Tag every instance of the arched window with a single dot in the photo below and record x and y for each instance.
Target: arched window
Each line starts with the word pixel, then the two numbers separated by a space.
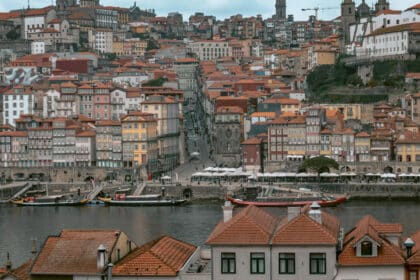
pixel 366 248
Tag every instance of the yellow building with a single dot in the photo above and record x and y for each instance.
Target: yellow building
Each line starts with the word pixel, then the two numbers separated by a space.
pixel 362 147
pixel 325 137
pixel 408 147
pixel 129 47
pixel 349 111
pixel 139 137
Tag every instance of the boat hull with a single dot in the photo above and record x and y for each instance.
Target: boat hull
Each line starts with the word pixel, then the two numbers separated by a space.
pixel 60 203
pixel 162 202
pixel 322 203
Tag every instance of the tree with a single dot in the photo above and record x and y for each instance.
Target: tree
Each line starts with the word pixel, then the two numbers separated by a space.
pixel 319 164
pixel 12 35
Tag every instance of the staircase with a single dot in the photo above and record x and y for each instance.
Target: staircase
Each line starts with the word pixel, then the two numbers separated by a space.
pixel 95 191
pixel 25 188
pixel 140 188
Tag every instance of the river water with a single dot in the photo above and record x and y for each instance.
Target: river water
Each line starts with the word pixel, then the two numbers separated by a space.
pixel 190 223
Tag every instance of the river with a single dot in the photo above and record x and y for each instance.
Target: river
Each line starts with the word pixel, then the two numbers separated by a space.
pixel 190 223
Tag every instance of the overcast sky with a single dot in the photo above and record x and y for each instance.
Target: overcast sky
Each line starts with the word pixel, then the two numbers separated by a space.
pixel 223 8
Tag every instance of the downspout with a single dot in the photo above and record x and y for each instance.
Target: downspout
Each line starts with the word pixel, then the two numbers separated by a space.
pixel 212 264
pixel 271 260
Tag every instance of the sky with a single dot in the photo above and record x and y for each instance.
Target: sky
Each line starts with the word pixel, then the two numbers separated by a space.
pixel 224 8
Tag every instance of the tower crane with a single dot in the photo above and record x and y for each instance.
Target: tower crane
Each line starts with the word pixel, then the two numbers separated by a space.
pixel 316 9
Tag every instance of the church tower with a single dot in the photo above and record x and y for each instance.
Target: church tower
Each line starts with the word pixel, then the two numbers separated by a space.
pixel 89 3
pixel 281 9
pixel 381 5
pixel 63 5
pixel 348 17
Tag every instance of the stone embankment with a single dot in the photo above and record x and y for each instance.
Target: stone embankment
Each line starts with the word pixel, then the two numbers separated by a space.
pixel 216 191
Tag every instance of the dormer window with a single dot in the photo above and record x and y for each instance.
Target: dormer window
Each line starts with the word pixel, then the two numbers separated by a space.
pixel 366 248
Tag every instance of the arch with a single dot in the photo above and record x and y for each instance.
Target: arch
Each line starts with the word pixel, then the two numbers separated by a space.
pixel 388 169
pixel 187 193
pixel 89 178
pixel 345 169
pixel 399 170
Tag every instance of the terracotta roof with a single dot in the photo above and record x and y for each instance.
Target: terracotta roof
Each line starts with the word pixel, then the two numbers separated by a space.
pixel 86 133
pixel 415 257
pixel 251 226
pixel 362 134
pixel 408 137
pixel 283 101
pixel 186 60
pixel 263 114
pixel 163 257
pixel 303 230
pixel 229 110
pixel 107 123
pixel 368 226
pixel 415 7
pixel 14 133
pixel 388 12
pixel 252 141
pixel 73 252
pixel 398 28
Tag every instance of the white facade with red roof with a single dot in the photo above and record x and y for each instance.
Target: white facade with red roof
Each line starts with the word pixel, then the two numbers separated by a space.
pixel 254 244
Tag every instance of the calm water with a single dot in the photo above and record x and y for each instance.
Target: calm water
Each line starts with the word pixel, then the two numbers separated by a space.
pixel 192 223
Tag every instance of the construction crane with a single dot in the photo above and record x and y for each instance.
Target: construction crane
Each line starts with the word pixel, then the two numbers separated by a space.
pixel 316 9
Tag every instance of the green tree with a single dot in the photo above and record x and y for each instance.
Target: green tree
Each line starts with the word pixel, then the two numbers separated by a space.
pixel 318 164
pixel 12 35
pixel 156 82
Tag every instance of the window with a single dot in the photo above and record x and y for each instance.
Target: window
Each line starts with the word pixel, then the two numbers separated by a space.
pixel 257 263
pixel 286 263
pixel 228 263
pixel 413 275
pixel 366 248
pixel 318 263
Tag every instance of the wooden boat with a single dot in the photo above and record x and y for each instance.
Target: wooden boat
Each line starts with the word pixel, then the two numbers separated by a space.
pixel 141 200
pixel 55 200
pixel 287 203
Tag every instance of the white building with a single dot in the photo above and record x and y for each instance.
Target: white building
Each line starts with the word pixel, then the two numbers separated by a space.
pixel 101 40
pixel 37 47
pixel 383 19
pixel 391 41
pixel 210 50
pixel 372 250
pixel 254 244
pixel 118 101
pixel 36 19
pixel 17 101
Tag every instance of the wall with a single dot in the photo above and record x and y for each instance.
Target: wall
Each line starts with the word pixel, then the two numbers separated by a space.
pixel 371 273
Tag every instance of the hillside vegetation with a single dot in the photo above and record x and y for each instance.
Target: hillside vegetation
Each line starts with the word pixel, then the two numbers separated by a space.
pixel 340 83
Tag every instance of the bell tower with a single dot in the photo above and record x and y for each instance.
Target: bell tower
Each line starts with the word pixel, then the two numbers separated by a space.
pixel 281 9
pixel 381 5
pixel 348 17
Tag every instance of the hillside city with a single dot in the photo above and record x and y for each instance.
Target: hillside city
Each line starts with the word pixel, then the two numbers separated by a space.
pixel 88 89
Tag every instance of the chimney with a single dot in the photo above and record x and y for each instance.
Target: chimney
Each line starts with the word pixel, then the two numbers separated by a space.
pixel 292 212
pixel 227 211
pixel 34 249
pixel 409 244
pixel 101 257
pixel 315 212
pixel 8 263
pixel 109 271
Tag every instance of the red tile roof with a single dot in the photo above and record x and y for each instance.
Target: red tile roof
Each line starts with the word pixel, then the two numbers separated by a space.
pixel 414 259
pixel 251 226
pixel 303 230
pixel 73 252
pixel 388 253
pixel 252 141
pixel 163 257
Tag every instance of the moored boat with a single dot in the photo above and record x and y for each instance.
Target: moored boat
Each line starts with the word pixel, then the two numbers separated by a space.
pixel 55 200
pixel 324 202
pixel 141 200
